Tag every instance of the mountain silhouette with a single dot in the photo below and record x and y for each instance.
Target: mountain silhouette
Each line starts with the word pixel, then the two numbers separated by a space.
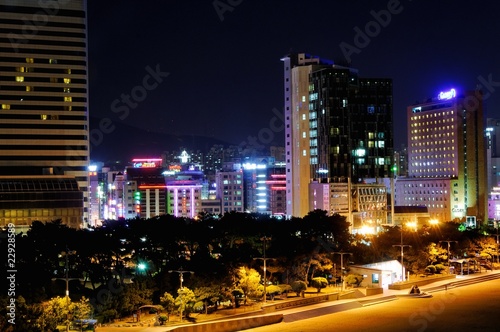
pixel 117 141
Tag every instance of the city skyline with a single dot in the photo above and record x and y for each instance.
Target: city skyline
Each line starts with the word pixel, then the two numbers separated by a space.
pixel 217 63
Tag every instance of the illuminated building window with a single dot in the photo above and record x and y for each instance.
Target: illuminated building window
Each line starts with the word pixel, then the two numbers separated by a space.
pixel 19 78
pixel 43 116
pixel 5 106
pixel 30 60
pixel 29 88
pixel 67 99
pixel 67 80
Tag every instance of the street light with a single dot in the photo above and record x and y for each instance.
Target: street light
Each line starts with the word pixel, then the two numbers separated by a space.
pixel 402 246
pixel 342 266
pixel 264 259
pixel 181 279
pixel 497 235
pixel 66 268
pixel 448 241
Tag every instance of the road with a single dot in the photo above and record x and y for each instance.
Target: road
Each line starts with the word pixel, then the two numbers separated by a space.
pixel 471 308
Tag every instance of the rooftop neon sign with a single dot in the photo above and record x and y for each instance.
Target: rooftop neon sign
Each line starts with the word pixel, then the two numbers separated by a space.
pixel 446 95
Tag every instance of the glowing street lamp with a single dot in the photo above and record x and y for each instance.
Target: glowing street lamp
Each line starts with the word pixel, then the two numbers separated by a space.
pixel 181 279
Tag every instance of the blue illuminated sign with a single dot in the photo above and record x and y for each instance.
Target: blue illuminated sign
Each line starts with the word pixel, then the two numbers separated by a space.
pixel 446 95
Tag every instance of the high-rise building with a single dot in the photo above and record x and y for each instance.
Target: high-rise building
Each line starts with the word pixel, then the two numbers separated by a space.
pixel 43 99
pixel 337 127
pixel 446 158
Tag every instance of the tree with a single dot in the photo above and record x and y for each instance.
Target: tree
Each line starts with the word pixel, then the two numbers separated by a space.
pixel 208 295
pixel 168 303
pixel 61 311
pixel 319 283
pixel 248 280
pixel 134 295
pixel 185 301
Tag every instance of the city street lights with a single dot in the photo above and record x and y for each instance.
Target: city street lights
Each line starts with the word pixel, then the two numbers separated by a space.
pixel 402 246
pixel 181 279
pixel 448 241
pixel 342 266
pixel 264 259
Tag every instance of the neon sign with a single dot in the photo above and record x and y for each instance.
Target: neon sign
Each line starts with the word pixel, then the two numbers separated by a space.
pixel 446 95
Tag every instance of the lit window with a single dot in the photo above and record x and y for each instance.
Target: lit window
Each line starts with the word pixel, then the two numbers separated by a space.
pixel 67 80
pixel 5 106
pixel 68 99
pixel 43 116
pixel 19 78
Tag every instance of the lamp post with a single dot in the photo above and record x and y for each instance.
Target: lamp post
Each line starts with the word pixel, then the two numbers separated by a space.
pixel 264 259
pixel 66 270
pixel 181 279
pixel 448 241
pixel 402 246
pixel 497 235
pixel 342 266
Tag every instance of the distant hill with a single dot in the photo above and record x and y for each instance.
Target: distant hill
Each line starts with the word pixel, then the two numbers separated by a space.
pixel 126 142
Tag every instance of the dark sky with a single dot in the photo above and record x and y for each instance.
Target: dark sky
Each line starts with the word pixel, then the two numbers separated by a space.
pixel 225 75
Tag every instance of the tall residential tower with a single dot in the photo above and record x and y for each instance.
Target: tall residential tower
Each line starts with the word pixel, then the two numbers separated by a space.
pixel 338 127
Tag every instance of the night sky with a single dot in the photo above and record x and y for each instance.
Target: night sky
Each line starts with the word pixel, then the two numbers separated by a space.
pixel 220 73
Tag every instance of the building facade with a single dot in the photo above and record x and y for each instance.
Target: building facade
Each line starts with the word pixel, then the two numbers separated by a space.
pixel 43 95
pixel 338 127
pixel 446 158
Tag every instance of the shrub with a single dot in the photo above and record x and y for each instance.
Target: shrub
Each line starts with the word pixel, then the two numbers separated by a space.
pixel 354 279
pixel 439 268
pixel 298 286
pixel 318 283
pixel 430 269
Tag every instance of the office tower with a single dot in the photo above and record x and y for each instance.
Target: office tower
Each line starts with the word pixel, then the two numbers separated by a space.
pixel 446 158
pixel 229 188
pixel 44 115
pixel 338 126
